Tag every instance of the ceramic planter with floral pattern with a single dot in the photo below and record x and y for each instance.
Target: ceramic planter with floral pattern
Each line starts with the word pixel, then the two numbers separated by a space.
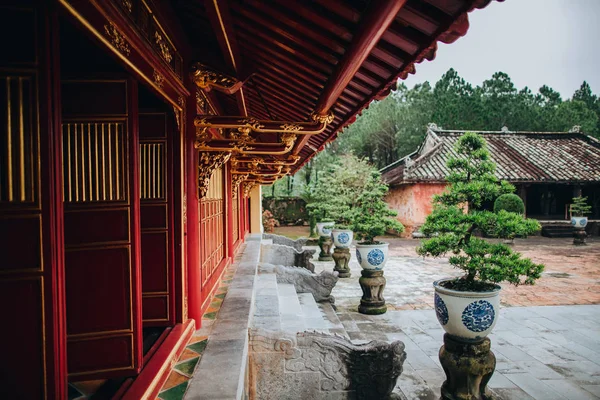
pixel 342 238
pixel 372 256
pixel 468 316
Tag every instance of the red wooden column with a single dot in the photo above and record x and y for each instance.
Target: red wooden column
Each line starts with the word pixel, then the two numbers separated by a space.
pixel 229 214
pixel 194 276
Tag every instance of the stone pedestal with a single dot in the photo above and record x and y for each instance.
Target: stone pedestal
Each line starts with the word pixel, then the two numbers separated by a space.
pixel 341 256
pixel 468 366
pixel 579 236
pixel 372 283
pixel 325 243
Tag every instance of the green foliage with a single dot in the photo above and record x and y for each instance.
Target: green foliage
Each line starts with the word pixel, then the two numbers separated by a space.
pixel 336 190
pixel 371 216
pixel 395 126
pixel 509 202
pixel 455 216
pixel 580 207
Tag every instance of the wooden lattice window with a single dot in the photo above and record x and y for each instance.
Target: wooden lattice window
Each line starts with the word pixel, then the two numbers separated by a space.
pixel 212 225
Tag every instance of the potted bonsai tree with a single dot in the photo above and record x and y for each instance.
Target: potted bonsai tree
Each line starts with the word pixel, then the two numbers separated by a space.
pixel 371 218
pixel 467 307
pixel 579 209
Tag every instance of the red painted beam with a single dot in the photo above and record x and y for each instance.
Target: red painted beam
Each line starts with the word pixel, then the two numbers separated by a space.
pixel 372 26
pixel 222 24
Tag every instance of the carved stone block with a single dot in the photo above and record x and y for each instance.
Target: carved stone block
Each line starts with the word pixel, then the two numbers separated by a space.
pixel 297 244
pixel 328 366
pixel 285 255
pixel 325 243
pixel 372 283
pixel 468 367
pixel 341 257
pixel 305 281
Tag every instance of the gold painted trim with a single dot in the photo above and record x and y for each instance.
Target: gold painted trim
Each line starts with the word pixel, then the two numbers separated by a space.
pixel 216 4
pixel 123 58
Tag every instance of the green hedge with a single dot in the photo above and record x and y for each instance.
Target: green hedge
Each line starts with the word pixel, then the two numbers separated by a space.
pixel 286 210
pixel 509 202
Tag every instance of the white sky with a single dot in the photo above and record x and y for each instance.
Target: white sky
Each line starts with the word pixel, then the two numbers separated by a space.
pixel 536 42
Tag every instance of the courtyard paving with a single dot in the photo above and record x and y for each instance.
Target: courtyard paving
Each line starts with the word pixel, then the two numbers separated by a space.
pixel 546 342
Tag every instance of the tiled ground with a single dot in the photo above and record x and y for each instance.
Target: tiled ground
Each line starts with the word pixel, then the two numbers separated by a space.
pixel 177 383
pixel 572 275
pixel 543 351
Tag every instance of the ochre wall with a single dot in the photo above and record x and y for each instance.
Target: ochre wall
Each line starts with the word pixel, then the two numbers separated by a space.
pixel 413 203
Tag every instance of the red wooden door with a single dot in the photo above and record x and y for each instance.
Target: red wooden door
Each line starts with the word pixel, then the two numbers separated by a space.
pixel 101 207
pixel 156 183
pixel 31 245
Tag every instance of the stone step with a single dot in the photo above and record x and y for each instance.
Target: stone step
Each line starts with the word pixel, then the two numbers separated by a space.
pixel 266 302
pixel 320 317
pixel 290 310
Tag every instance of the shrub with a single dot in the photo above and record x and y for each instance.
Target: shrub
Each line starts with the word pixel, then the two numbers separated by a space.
pixel 509 202
pixel 371 217
pixel 269 223
pixel 450 226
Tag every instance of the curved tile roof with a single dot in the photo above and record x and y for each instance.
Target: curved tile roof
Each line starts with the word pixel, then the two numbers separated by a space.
pixel 554 157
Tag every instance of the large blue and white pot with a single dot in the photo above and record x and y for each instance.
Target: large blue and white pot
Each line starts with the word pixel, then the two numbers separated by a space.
pixel 469 316
pixel 342 238
pixel 372 256
pixel 324 228
pixel 579 222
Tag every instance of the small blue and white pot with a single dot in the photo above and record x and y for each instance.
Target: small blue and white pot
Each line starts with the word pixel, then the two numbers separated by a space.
pixel 579 222
pixel 372 256
pixel 324 228
pixel 468 316
pixel 342 238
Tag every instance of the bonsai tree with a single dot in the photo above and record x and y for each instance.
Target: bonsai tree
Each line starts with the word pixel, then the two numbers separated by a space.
pixel 509 202
pixel 371 217
pixel 456 215
pixel 580 207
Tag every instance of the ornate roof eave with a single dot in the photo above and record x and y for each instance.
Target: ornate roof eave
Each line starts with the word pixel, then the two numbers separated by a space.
pixel 317 126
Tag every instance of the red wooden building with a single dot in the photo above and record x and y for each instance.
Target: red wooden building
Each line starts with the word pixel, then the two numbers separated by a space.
pixel 134 134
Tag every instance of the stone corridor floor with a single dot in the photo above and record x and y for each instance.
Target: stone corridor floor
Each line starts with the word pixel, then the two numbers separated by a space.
pixel 547 340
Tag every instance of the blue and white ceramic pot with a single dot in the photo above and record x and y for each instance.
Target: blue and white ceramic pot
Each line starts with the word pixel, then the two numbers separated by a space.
pixel 372 256
pixel 342 237
pixel 324 228
pixel 579 222
pixel 468 316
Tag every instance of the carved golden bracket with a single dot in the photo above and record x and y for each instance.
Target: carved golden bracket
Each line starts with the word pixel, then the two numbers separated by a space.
pixel 241 142
pixel 235 184
pixel 265 126
pixel 290 160
pixel 247 187
pixel 207 164
pixel 207 78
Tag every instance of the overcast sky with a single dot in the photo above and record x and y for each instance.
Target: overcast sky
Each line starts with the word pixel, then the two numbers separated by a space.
pixel 536 42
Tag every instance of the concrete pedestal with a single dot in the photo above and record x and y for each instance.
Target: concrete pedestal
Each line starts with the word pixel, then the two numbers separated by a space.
pixel 468 367
pixel 341 256
pixel 372 283
pixel 579 236
pixel 325 244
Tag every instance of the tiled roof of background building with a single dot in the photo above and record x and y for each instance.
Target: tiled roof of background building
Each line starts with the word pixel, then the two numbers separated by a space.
pixel 520 157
